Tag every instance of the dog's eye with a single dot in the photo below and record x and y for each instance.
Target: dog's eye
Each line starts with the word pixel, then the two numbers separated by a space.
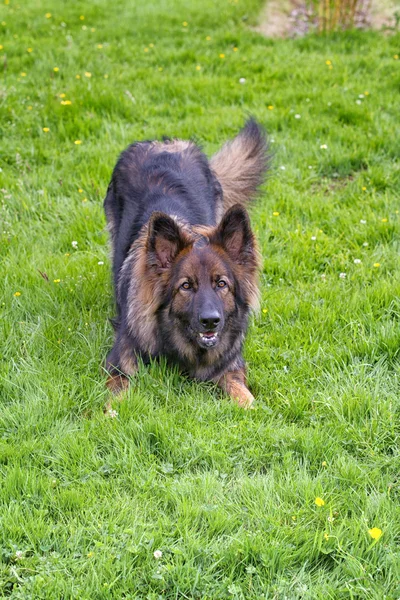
pixel 221 283
pixel 186 285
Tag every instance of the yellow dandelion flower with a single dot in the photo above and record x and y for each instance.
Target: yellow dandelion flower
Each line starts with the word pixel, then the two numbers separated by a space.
pixel 46 129
pixel 222 55
pixel 82 18
pixel 29 49
pixel 77 76
pixel 208 38
pixel 265 310
pixel 270 107
pixel 396 57
pixel 29 107
pixel 80 190
pixel 235 49
pixel 328 62
pixel 319 502
pixel 364 189
pixel 294 517
pixel 23 74
pixel 275 213
pixel 65 102
pixel 6 1
pixel 1 47
pixel 47 15
pixel 93 29
pixel 87 74
pixel 67 254
pixel 324 463
pixel 198 68
pixel 90 554
pixel 77 142
pixel 99 46
pixel 366 93
pixel 56 280
pixel 56 69
pixel 17 294
pixel 62 95
pixel 375 533
pixel 185 24
pixel 384 220
pixel 377 265
pixel 146 49
pixel 326 536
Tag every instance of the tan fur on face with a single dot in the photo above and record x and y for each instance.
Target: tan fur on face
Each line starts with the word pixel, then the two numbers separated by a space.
pixel 147 287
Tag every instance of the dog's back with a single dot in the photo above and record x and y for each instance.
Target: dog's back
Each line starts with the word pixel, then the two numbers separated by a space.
pixel 173 177
pixel 176 178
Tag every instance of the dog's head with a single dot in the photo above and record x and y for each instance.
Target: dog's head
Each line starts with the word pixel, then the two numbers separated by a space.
pixel 210 276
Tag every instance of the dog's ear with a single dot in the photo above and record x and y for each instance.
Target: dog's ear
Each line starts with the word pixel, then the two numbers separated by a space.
pixel 235 235
pixel 165 240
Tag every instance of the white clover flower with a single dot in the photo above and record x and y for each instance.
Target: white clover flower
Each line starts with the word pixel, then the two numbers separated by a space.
pixel 310 167
pixel 112 413
pixel 101 262
pixel 357 261
pixel 365 244
pixel 297 116
pixel 74 244
pixel 282 168
pixel 323 147
pixel 157 554
pixel 358 101
pixel 361 95
pixel 19 554
pixel 242 80
pixel 363 221
pixel 313 237
pixel 342 275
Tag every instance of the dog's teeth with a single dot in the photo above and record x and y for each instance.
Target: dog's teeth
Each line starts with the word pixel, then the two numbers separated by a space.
pixel 208 337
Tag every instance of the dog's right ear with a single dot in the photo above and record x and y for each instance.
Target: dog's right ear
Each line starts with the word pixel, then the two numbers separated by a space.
pixel 165 239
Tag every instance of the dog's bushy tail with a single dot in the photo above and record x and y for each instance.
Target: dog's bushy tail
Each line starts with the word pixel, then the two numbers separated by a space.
pixel 241 164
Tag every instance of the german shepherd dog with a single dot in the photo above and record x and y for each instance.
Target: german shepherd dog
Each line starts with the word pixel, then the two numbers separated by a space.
pixel 185 261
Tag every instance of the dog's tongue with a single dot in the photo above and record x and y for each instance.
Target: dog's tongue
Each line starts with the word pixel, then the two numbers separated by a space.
pixel 209 334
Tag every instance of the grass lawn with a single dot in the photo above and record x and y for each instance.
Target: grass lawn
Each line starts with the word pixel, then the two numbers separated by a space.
pixel 227 496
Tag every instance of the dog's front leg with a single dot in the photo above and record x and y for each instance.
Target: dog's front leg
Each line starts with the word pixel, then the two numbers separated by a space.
pixel 234 384
pixel 121 363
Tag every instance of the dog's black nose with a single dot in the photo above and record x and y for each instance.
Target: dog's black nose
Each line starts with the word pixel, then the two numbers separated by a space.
pixel 210 320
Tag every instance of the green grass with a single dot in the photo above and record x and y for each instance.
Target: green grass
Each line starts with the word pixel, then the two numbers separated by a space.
pixel 228 496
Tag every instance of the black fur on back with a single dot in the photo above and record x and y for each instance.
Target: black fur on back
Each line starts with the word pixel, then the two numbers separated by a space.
pixel 151 176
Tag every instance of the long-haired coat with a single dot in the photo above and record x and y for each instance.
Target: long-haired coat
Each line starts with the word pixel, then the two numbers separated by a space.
pixel 185 261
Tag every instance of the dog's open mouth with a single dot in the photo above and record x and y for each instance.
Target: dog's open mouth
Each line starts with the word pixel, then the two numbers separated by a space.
pixel 208 338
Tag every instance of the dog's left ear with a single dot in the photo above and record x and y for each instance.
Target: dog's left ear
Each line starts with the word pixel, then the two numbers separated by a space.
pixel 235 235
pixel 164 241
